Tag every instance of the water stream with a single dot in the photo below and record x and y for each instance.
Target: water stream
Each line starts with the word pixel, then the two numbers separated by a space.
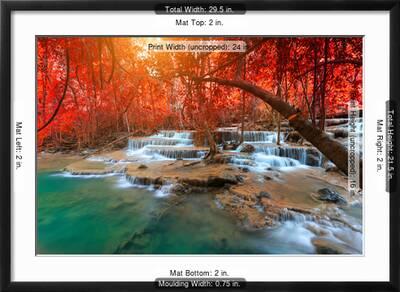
pixel 106 214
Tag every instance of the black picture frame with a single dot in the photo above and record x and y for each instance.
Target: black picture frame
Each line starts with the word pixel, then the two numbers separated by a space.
pixel 7 7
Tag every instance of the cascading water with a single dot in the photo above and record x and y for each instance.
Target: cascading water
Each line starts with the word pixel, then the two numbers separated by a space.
pixel 175 152
pixel 179 145
pixel 265 161
pixel 296 153
pixel 135 144
pixel 267 154
pixel 165 145
pixel 162 138
pixel 233 134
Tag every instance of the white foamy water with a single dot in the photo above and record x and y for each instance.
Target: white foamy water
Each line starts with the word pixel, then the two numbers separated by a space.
pixel 123 183
pixel 264 160
pixel 300 231
pixel 164 191
pixel 161 192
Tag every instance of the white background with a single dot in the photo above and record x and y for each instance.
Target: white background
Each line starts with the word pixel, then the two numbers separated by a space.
pixel 373 265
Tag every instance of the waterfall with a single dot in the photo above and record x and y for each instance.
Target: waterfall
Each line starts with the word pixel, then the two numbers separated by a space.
pixel 138 143
pixel 260 136
pixel 175 152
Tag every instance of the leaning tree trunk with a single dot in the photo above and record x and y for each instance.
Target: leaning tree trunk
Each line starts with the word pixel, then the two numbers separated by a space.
pixel 332 149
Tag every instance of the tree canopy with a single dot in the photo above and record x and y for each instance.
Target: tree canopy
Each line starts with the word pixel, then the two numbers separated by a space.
pixel 90 87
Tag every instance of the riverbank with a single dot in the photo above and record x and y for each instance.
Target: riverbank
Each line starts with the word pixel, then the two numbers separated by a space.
pixel 56 161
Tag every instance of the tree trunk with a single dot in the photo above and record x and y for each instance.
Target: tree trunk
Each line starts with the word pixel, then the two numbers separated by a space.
pixel 153 108
pixel 45 65
pixel 63 94
pixel 278 118
pixel 211 141
pixel 322 111
pixel 242 120
pixel 241 70
pixel 242 114
pixel 278 136
pixel 332 149
pixel 204 115
pixel 127 123
pixel 314 95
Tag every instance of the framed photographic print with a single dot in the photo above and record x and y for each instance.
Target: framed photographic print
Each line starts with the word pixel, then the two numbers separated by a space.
pixel 151 145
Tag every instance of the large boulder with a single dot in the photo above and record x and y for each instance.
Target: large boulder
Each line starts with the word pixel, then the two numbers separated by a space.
pixel 263 194
pixel 330 167
pixel 293 137
pixel 312 160
pixel 180 189
pixel 220 158
pixel 247 148
pixel 229 146
pixel 313 157
pixel 211 181
pixel 220 181
pixel 339 132
pixel 328 195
